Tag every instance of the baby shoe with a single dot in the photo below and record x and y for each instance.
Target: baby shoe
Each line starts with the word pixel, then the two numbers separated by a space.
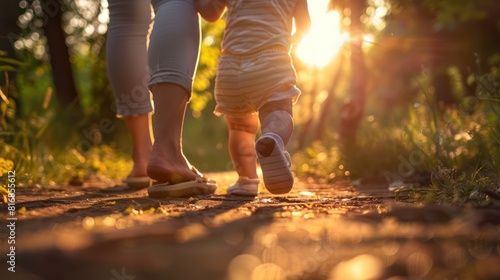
pixel 245 187
pixel 275 163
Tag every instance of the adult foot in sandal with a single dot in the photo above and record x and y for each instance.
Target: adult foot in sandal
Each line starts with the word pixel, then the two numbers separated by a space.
pixel 275 163
pixel 167 164
pixel 199 186
pixel 137 182
pixel 167 167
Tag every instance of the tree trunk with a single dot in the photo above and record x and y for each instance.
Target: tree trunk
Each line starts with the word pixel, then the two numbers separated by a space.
pixel 303 139
pixel 328 103
pixel 351 113
pixel 62 72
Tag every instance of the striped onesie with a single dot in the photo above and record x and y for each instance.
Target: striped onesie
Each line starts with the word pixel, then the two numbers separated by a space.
pixel 255 67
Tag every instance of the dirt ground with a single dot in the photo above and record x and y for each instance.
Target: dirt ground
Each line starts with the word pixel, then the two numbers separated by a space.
pixel 318 231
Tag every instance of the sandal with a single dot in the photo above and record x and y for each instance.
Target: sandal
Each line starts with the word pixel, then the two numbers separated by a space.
pixel 137 182
pixel 199 186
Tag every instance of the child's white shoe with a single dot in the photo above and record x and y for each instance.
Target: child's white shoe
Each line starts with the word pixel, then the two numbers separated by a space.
pixel 245 187
pixel 275 163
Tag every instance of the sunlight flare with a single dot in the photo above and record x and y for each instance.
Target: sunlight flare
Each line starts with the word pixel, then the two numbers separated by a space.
pixel 324 40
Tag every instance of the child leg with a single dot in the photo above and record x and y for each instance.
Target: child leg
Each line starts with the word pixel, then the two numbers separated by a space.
pixel 241 144
pixel 242 151
pixel 126 60
pixel 277 127
pixel 276 117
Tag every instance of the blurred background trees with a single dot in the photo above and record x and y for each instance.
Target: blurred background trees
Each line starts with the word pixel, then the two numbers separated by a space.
pixel 383 82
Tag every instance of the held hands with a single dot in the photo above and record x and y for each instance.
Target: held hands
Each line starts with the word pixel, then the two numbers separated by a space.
pixel 210 10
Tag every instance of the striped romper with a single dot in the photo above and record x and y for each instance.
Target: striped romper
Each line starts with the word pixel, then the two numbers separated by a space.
pixel 255 67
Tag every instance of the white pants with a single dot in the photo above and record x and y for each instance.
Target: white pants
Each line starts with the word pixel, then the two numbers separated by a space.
pixel 172 56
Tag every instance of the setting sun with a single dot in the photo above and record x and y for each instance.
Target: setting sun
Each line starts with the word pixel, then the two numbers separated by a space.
pixel 323 41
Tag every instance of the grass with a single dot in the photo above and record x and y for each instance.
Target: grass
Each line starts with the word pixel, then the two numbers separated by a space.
pixel 450 186
pixel 457 145
pixel 47 148
pixel 205 140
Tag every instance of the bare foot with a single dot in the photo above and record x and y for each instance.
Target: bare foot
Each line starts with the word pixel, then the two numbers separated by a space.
pixel 165 167
pixel 140 157
pixel 139 169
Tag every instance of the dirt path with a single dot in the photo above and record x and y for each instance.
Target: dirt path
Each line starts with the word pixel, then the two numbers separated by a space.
pixel 319 231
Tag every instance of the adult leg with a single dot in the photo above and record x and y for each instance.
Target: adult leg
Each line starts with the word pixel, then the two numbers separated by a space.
pixel 241 145
pixel 140 130
pixel 168 163
pixel 172 57
pixel 126 59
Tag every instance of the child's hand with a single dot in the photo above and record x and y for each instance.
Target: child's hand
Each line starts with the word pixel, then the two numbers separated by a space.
pixel 210 10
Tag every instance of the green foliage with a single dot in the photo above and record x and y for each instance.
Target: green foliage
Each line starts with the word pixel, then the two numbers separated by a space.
pixel 48 144
pixel 101 162
pixel 459 145
pixel 459 188
pixel 9 126
pixel 43 156
pixel 449 186
pixel 318 161
pixel 449 12
pixel 6 165
pixel 41 143
pixel 407 135
pixel 205 140
pixel 8 64
pixel 207 65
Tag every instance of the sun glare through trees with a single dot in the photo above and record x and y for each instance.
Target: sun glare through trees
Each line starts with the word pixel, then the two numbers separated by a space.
pixel 324 40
